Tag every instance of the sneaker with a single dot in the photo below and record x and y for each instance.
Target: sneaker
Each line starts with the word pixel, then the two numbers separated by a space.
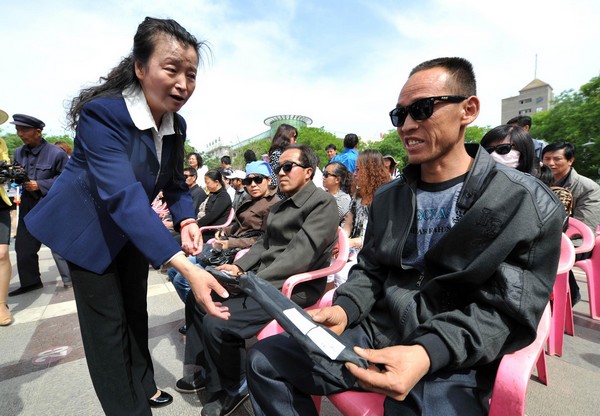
pixel 183 329
pixel 222 404
pixel 184 386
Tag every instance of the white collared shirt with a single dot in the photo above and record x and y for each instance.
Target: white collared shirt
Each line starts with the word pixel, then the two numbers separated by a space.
pixel 136 103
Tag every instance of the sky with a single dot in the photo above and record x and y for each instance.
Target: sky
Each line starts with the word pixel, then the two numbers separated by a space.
pixel 341 63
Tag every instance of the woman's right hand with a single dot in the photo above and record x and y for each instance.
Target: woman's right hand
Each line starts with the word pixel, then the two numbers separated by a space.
pixel 202 284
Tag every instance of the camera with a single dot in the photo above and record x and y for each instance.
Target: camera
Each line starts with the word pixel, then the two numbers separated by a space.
pixel 12 173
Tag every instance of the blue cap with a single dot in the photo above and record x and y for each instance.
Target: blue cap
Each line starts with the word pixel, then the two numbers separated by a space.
pixel 259 167
pixel 27 121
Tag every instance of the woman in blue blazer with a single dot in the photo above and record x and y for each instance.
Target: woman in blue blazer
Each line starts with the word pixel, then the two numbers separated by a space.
pixel 97 215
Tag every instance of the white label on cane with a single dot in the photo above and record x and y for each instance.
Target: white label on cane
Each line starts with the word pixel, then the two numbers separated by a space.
pixel 322 339
pixel 299 321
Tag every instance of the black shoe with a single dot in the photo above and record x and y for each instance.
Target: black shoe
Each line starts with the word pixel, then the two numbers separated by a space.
pixel 25 289
pixel 183 329
pixel 197 384
pixel 575 298
pixel 162 400
pixel 222 404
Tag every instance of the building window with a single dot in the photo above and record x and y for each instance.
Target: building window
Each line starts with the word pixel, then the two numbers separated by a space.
pixel 525 101
pixel 525 111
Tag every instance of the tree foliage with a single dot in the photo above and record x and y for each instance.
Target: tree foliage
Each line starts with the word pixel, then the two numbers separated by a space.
pixel 391 144
pixel 13 141
pixel 574 117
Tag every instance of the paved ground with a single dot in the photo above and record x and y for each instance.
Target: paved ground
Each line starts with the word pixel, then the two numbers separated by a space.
pixel 43 369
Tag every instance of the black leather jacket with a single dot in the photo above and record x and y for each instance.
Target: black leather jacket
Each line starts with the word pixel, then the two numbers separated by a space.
pixel 485 283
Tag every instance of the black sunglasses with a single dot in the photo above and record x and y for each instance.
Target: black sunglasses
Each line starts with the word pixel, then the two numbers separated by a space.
pixel 501 149
pixel 327 174
pixel 421 109
pixel 188 176
pixel 287 167
pixel 256 179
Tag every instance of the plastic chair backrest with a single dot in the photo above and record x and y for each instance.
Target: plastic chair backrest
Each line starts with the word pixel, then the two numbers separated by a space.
pixel 337 265
pixel 562 311
pixel 225 224
pixel 512 379
pixel 578 228
pixel 591 268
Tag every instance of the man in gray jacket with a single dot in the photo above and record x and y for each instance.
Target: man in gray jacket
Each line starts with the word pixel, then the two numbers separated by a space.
pixel 457 266
pixel 299 237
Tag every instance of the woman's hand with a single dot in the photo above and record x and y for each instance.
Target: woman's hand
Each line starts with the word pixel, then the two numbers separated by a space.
pixel 191 239
pixel 202 284
pixel 232 269
pixel 223 243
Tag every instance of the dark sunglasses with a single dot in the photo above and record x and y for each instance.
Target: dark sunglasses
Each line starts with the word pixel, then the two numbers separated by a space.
pixel 256 179
pixel 287 167
pixel 188 176
pixel 501 149
pixel 327 175
pixel 421 109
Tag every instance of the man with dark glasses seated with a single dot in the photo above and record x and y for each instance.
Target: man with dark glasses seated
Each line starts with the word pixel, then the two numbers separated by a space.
pixel 453 274
pixel 299 237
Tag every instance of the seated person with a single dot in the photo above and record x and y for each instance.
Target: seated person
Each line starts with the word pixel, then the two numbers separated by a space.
pixel 336 181
pixel 300 236
pixel 453 273
pixel 249 224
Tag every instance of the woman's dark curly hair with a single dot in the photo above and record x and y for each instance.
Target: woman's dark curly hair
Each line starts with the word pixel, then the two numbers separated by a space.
pixel 369 175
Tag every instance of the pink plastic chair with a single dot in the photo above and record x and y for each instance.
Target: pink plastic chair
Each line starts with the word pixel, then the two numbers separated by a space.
pixel 562 311
pixel 216 227
pixel 591 268
pixel 510 387
pixel 288 286
pixel 578 228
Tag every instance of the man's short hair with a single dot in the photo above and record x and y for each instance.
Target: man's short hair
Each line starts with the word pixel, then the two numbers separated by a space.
pixel 226 160
pixel 330 146
pixel 308 157
pixel 191 171
pixel 350 141
pixel 569 149
pixel 461 74
pixel 520 121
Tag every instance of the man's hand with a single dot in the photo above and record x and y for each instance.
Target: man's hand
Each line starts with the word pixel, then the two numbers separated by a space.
pixel 232 269
pixel 191 239
pixel 31 186
pixel 404 367
pixel 333 317
pixel 223 243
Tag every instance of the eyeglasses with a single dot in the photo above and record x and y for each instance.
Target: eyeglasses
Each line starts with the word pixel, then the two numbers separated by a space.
pixel 501 149
pixel 327 175
pixel 256 179
pixel 421 109
pixel 287 167
pixel 188 176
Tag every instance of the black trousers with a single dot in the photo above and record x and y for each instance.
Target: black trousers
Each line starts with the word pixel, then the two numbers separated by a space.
pixel 113 316
pixel 219 345
pixel 27 247
pixel 282 378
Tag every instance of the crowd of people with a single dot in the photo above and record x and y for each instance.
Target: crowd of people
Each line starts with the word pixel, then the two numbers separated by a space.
pixel 432 247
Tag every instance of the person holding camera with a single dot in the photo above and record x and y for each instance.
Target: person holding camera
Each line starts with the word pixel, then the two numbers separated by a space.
pixel 43 163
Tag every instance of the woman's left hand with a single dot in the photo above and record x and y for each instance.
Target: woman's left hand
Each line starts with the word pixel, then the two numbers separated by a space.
pixel 191 239
pixel 223 243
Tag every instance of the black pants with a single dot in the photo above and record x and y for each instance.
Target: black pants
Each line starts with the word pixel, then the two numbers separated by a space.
pixel 219 345
pixel 113 317
pixel 27 248
pixel 282 378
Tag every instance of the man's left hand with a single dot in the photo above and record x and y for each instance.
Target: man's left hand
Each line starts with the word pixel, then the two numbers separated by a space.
pixel 191 239
pixel 403 365
pixel 31 186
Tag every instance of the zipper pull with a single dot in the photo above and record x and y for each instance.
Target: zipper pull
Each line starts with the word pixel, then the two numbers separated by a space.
pixel 421 277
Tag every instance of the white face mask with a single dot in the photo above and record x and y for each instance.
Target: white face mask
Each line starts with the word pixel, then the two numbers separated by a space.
pixel 511 159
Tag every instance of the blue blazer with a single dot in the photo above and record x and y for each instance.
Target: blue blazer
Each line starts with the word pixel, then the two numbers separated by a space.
pixel 102 198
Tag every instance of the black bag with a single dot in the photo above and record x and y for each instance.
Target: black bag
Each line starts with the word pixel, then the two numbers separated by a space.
pixel 214 257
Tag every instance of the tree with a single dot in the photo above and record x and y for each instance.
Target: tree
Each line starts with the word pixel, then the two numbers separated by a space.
pixel 391 145
pixel 317 138
pixel 574 117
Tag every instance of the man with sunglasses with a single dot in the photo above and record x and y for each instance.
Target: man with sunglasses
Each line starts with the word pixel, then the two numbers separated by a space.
pixel 299 237
pixel 457 266
pixel 197 193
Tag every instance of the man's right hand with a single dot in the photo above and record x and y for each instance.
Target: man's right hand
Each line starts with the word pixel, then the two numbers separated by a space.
pixel 333 317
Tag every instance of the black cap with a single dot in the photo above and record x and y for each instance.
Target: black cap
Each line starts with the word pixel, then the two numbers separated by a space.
pixel 27 121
